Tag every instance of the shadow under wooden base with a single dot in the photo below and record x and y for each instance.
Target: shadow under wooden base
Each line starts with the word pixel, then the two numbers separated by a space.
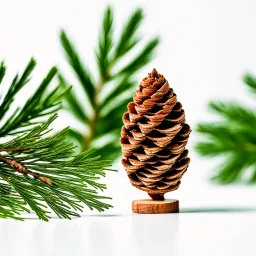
pixel 148 206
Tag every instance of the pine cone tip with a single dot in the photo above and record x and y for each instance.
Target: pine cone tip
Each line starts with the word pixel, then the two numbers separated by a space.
pixel 153 74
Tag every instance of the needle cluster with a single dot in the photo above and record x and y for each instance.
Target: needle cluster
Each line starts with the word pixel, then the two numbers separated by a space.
pixel 38 169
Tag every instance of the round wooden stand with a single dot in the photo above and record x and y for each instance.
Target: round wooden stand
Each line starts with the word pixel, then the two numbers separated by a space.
pixel 148 206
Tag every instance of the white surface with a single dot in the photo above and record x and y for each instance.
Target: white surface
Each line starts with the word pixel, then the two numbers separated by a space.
pixel 204 234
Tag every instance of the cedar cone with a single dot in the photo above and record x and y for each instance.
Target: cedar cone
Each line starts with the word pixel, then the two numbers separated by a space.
pixel 154 137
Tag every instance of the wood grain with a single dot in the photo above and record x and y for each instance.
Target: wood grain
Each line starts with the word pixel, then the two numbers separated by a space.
pixel 148 206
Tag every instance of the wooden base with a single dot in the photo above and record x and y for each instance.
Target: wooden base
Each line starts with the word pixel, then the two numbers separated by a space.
pixel 148 206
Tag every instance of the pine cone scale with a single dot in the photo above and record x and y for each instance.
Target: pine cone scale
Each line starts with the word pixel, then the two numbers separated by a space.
pixel 154 137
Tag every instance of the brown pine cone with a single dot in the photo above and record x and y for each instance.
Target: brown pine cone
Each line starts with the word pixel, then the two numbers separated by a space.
pixel 154 137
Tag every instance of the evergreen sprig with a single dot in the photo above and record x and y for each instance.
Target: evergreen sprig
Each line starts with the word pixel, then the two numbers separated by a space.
pixel 109 96
pixel 233 138
pixel 38 170
pixel 42 103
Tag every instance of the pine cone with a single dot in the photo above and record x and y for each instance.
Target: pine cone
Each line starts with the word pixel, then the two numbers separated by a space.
pixel 154 137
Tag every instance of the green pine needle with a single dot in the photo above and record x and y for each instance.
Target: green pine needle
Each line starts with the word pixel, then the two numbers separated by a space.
pixel 39 171
pixel 233 138
pixel 75 62
pixel 42 103
pixel 250 81
pixel 114 86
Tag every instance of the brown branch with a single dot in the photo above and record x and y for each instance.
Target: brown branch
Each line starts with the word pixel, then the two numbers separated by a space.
pixel 22 169
pixel 11 149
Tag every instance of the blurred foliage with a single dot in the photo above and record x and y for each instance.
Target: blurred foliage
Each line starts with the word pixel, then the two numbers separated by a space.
pixel 233 138
pixel 116 72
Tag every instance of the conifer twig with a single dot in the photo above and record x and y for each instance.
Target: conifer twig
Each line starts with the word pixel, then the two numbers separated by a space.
pixel 232 138
pixel 23 170
pixel 40 172
pixel 104 121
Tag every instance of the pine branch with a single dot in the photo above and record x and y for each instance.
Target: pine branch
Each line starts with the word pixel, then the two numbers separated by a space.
pixel 40 104
pixel 233 138
pixel 38 171
pixel 51 174
pixel 115 85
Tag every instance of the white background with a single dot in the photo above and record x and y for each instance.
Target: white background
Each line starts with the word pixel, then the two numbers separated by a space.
pixel 206 46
